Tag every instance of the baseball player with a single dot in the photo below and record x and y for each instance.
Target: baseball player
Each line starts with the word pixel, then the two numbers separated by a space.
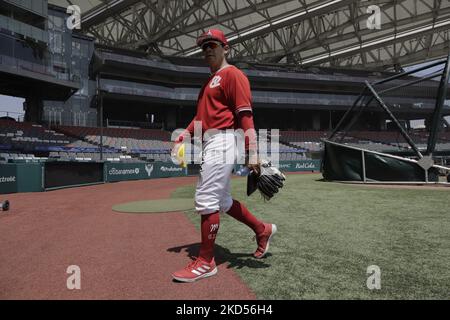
pixel 224 102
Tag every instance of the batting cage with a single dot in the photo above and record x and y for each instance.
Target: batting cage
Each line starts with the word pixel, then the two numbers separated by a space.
pixel 395 131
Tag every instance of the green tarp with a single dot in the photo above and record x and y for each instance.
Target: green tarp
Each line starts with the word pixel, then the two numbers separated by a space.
pixel 342 163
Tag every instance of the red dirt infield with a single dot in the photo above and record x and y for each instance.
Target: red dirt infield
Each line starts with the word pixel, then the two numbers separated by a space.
pixel 121 256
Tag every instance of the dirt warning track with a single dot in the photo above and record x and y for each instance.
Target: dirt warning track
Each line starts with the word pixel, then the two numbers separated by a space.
pixel 120 256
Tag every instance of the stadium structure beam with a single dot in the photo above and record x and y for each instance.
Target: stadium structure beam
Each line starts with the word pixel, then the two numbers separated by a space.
pixel 152 38
pixel 335 36
pixel 306 13
pixel 166 14
pixel 429 44
pixel 326 38
pixel 279 22
pixel 104 11
pixel 304 36
pixel 173 31
pixel 140 21
pixel 282 31
pixel 364 54
pixel 378 43
pixel 426 54
pixel 421 30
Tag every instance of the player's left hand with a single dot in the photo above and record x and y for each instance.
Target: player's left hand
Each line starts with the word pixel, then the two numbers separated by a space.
pixel 253 163
pixel 255 168
pixel 268 182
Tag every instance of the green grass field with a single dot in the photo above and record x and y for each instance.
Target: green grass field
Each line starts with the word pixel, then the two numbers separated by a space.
pixel 329 233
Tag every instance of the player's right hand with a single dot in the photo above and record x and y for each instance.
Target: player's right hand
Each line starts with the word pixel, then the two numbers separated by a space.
pixel 177 154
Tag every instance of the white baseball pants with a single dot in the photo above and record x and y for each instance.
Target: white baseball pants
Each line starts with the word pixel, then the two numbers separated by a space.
pixel 213 191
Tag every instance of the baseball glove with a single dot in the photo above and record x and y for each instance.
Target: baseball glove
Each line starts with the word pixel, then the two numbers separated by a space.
pixel 269 180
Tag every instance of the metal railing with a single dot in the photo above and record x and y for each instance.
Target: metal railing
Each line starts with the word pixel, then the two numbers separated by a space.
pixel 133 124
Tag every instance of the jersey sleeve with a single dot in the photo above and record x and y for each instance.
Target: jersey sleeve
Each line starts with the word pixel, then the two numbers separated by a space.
pixel 237 91
pixel 245 120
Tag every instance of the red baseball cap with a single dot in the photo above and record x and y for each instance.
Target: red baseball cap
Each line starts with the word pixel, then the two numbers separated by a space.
pixel 212 34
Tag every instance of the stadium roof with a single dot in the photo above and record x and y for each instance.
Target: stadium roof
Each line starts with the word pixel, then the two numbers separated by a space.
pixel 303 32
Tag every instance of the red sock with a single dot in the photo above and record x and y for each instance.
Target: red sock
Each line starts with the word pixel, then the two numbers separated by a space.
pixel 241 213
pixel 210 226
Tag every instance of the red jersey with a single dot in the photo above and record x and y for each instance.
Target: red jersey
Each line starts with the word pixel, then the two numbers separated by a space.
pixel 225 94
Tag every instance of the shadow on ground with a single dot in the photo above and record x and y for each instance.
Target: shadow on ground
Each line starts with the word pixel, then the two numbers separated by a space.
pixel 223 255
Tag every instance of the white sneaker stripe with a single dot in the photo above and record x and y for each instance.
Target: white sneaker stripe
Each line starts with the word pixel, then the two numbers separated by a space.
pixel 201 269
pixel 196 272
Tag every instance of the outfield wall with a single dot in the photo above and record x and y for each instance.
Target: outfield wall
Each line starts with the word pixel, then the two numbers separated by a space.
pixel 36 177
pixel 21 177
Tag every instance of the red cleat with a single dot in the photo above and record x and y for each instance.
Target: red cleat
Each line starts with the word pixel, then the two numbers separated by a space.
pixel 263 240
pixel 196 270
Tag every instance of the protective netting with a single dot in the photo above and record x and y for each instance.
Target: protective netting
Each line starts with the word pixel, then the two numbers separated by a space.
pixel 399 117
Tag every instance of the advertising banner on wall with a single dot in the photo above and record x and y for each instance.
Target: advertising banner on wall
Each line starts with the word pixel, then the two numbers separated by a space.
pixel 8 178
pixel 139 171
pixel 300 165
pixel 20 178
